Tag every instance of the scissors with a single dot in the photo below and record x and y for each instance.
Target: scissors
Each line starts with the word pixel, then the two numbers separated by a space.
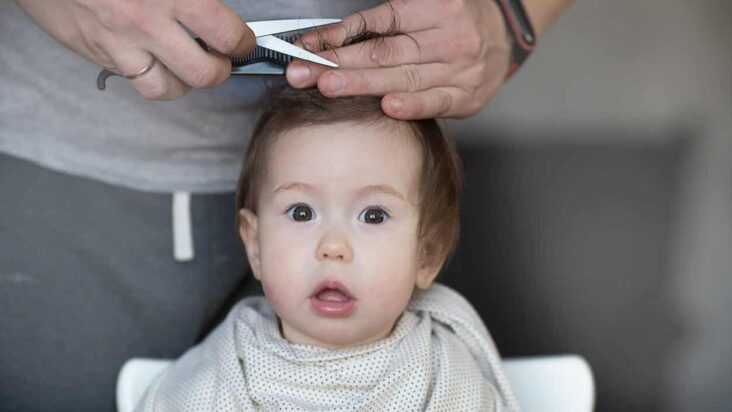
pixel 272 53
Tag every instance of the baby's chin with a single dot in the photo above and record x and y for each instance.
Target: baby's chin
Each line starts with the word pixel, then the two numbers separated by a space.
pixel 335 334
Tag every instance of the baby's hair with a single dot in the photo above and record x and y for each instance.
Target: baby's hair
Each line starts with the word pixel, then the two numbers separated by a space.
pixel 440 183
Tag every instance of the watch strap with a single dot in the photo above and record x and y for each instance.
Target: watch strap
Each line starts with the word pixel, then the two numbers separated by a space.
pixel 519 30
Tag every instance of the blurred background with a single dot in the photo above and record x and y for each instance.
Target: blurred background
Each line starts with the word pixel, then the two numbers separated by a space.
pixel 598 203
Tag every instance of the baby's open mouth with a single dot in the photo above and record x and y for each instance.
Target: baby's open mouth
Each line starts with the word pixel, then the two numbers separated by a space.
pixel 331 298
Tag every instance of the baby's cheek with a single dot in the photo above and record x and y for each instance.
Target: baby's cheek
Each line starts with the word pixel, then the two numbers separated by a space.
pixel 289 248
pixel 274 295
pixel 391 293
pixel 280 282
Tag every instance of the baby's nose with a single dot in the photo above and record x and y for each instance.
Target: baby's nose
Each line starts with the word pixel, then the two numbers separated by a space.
pixel 335 246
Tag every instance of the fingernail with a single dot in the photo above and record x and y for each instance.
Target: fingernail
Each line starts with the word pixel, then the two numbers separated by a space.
pixel 298 74
pixel 397 104
pixel 336 82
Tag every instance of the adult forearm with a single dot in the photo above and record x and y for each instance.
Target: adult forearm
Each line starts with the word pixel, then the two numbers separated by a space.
pixel 543 13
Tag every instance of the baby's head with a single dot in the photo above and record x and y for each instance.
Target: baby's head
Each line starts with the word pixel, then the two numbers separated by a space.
pixel 343 212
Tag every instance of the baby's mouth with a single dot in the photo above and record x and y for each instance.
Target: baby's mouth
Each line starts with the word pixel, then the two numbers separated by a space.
pixel 332 295
pixel 331 298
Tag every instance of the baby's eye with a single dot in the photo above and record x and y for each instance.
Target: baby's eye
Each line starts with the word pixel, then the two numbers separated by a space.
pixel 373 215
pixel 301 213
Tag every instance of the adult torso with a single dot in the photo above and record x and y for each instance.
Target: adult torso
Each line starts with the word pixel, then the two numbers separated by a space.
pixel 52 113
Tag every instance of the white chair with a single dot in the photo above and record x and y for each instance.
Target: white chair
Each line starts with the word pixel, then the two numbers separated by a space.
pixel 542 384
pixel 552 383
pixel 134 378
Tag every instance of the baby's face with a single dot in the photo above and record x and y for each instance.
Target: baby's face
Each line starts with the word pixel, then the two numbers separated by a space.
pixel 334 241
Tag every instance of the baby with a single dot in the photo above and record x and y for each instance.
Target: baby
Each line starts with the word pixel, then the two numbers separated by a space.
pixel 347 217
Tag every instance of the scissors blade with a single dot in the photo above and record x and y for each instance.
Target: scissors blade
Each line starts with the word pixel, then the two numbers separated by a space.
pixel 281 46
pixel 267 27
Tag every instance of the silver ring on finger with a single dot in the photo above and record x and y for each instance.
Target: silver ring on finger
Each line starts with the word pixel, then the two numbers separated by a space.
pixel 142 71
pixel 105 73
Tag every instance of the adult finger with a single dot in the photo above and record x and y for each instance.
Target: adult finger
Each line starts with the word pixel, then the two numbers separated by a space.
pixel 436 102
pixel 157 83
pixel 160 84
pixel 420 47
pixel 382 52
pixel 221 28
pixel 393 17
pixel 379 82
pixel 187 60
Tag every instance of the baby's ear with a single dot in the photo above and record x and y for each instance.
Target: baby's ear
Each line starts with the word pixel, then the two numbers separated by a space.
pixel 431 260
pixel 250 236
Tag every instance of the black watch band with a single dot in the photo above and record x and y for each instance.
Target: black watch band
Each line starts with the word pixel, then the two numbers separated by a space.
pixel 520 30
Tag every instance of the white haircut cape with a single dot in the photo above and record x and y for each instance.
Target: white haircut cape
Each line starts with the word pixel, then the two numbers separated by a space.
pixel 439 357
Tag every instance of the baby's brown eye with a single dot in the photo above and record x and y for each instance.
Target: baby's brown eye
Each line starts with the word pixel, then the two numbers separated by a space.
pixel 301 213
pixel 373 215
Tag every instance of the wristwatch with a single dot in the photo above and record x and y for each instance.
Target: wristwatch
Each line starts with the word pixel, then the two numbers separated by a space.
pixel 520 30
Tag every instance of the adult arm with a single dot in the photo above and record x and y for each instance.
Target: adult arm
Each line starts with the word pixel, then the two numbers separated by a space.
pixel 448 61
pixel 124 36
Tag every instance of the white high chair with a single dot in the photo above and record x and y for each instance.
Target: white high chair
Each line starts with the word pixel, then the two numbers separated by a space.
pixel 542 384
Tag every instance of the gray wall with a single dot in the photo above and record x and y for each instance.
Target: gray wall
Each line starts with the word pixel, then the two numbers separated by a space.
pixel 564 250
pixel 599 202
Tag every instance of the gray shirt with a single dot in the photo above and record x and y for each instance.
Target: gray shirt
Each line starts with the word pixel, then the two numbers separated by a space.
pixel 51 112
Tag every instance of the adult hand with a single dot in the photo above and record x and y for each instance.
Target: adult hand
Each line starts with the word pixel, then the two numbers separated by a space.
pixel 124 36
pixel 448 61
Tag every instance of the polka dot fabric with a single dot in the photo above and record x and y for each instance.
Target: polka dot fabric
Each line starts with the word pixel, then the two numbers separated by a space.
pixel 439 357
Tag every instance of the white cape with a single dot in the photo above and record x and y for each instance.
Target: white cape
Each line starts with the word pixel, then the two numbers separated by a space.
pixel 439 357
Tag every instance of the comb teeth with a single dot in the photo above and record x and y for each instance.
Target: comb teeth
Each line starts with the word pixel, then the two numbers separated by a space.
pixel 260 54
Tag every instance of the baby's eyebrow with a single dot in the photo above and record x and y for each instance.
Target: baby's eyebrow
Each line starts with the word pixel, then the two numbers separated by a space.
pixel 386 189
pixel 296 186
pixel 381 189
